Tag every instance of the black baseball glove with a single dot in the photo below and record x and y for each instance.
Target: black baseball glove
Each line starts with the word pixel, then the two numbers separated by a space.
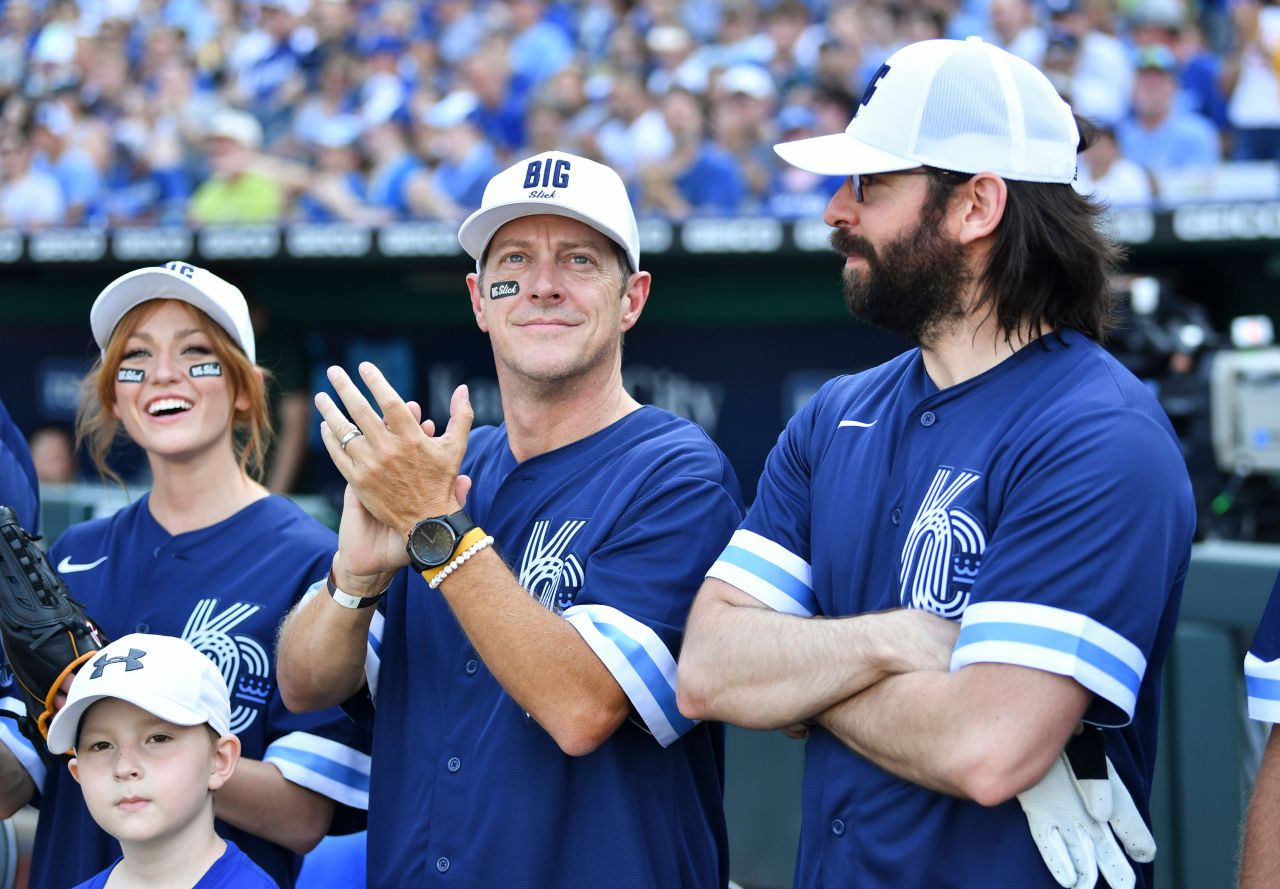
pixel 45 633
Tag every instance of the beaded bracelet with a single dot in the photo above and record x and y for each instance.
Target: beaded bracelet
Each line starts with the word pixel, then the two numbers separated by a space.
pixel 457 563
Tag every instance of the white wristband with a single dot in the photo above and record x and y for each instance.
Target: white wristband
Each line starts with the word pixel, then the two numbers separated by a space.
pixel 457 563
pixel 346 600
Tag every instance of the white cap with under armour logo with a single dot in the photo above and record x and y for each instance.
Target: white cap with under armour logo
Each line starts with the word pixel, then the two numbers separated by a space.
pixel 962 105
pixel 558 184
pixel 163 675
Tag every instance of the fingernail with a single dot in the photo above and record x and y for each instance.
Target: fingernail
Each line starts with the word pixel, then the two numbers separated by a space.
pixel 466 393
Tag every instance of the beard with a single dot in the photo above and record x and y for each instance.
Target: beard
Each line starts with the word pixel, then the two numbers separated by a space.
pixel 912 286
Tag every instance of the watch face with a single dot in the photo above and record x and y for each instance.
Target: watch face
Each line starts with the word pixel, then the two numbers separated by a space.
pixel 432 543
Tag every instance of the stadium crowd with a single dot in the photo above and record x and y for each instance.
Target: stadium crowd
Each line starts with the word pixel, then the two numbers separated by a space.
pixel 143 112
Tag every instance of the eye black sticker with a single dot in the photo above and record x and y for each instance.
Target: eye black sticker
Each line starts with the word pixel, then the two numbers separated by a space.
pixel 131 375
pixel 499 289
pixel 209 369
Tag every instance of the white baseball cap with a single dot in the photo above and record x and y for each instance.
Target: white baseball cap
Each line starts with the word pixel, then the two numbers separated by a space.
pixel 961 105
pixel 204 290
pixel 559 184
pixel 163 675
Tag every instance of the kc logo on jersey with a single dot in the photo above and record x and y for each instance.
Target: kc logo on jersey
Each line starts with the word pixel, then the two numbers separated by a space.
pixel 241 659
pixel 943 550
pixel 545 571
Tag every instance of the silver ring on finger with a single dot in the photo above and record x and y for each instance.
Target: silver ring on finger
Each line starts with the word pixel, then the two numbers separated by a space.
pixel 348 436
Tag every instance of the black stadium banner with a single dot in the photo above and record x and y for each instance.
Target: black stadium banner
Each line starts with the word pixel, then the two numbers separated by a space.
pixel 1241 222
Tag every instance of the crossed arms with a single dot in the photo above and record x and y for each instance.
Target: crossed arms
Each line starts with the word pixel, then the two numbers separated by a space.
pixel 880 683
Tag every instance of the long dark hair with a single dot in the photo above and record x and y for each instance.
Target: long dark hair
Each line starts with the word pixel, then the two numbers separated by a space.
pixel 1051 261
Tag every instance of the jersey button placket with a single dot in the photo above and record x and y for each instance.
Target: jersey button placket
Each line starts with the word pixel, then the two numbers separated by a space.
pixel 896 516
pixel 471 667
pixel 837 827
pixel 453 764
pixel 442 864
pixel 928 418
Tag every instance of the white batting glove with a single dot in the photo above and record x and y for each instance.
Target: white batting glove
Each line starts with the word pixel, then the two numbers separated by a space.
pixel 1075 816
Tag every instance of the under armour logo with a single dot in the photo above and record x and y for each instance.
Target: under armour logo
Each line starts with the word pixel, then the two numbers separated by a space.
pixel 871 88
pixel 132 661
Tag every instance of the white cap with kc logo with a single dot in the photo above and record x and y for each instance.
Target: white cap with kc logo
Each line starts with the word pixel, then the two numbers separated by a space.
pixel 961 105
pixel 163 675
pixel 220 300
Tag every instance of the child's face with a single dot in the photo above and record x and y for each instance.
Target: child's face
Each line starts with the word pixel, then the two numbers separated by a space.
pixel 145 779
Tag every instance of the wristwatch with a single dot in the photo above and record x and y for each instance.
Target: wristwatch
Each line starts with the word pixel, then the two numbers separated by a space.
pixel 434 542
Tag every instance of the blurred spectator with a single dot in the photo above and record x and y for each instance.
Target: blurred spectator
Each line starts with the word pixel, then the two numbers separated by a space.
pixel 795 193
pixel 1102 75
pixel 794 42
pixel 29 198
pixel 53 454
pixel 16 22
pixel 139 191
pixel 336 191
pixel 538 47
pixel 1158 135
pixel 1163 23
pixel 546 127
pixel 399 181
pixel 267 62
pixel 635 132
pixel 500 97
pixel 383 92
pixel 460 28
pixel 1250 76
pixel 699 178
pixel 1111 177
pixel 74 154
pixel 743 124
pixel 333 104
pixel 234 193
pixel 335 36
pixel 122 90
pixel 672 49
pixel 466 160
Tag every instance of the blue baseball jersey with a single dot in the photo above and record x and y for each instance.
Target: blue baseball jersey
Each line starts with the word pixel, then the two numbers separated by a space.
pixel 1043 504
pixel 18 486
pixel 225 589
pixel 232 870
pixel 614 533
pixel 1262 663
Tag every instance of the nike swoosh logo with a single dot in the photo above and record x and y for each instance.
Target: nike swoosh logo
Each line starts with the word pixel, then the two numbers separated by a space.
pixel 66 566
pixel 856 423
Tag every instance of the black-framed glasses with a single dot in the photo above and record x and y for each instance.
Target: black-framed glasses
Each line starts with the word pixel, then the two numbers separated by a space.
pixel 859 181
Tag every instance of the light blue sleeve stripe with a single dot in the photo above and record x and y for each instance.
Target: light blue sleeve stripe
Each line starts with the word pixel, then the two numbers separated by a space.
pixel 770 573
pixel 1262 688
pixel 375 644
pixel 344 775
pixel 650 674
pixel 1053 640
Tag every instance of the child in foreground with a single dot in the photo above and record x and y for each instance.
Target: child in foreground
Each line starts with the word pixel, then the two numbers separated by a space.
pixel 148 721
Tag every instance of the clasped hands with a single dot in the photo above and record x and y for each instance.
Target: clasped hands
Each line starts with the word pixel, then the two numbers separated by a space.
pixel 398 472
